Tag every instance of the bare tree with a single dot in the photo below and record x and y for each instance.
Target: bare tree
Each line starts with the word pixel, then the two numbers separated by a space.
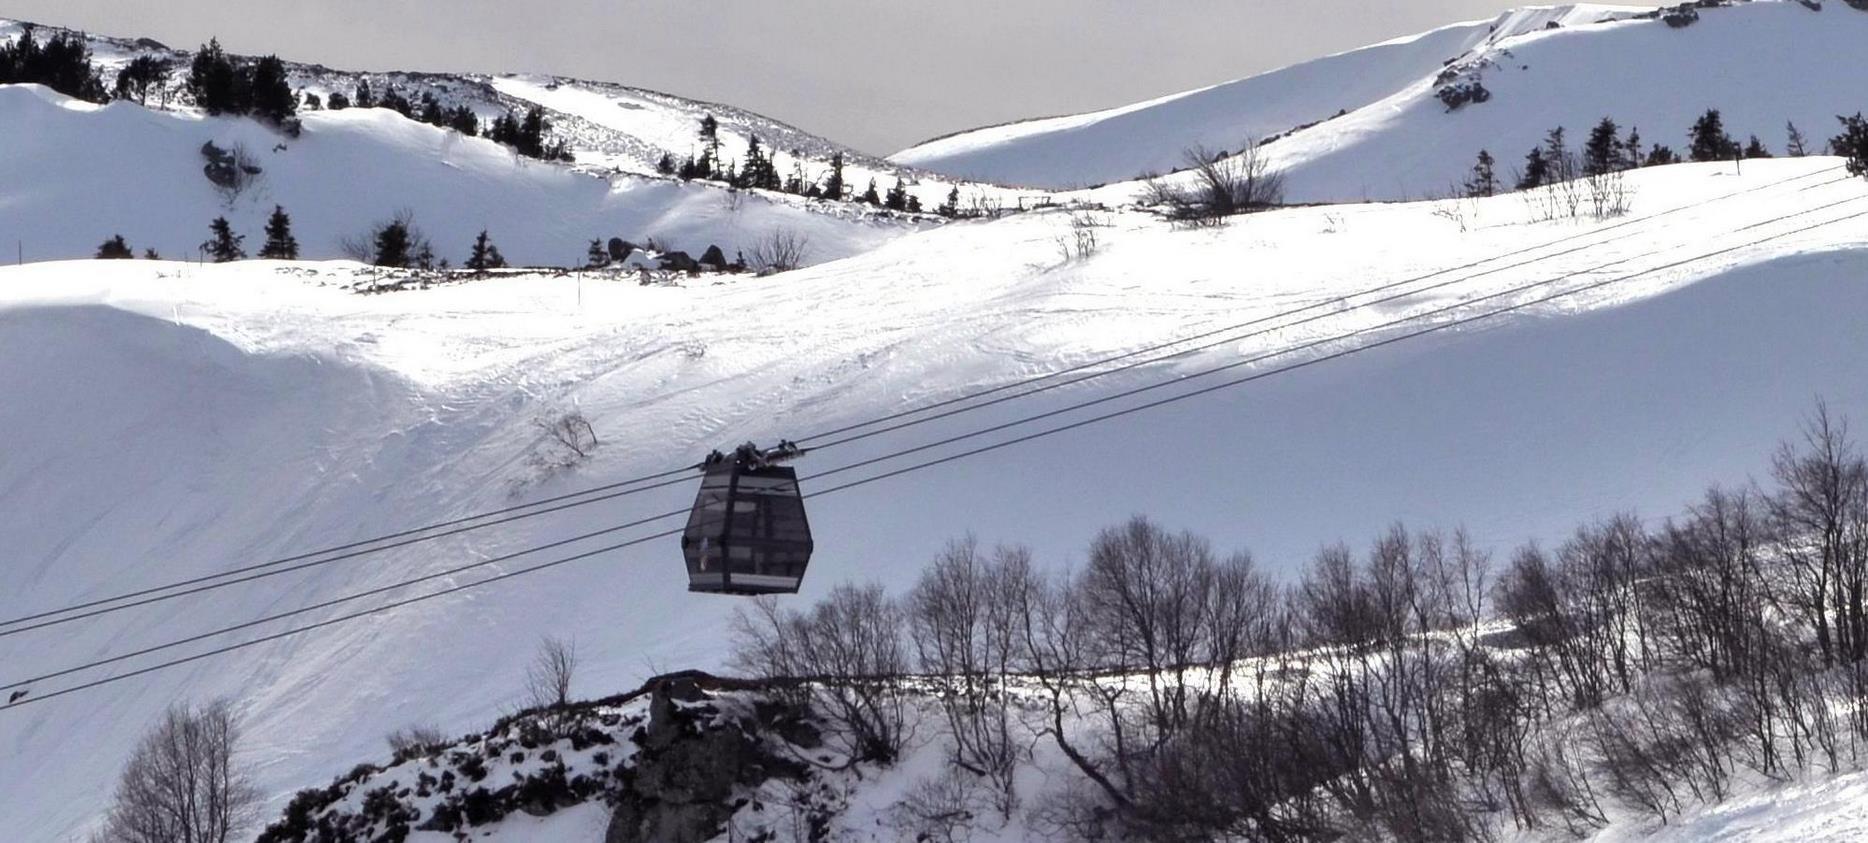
pixel 182 784
pixel 780 250
pixel 1822 508
pixel 844 657
pixel 548 677
pixel 963 621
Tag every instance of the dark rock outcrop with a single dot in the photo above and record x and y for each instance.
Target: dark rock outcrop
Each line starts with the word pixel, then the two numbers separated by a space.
pixel 697 755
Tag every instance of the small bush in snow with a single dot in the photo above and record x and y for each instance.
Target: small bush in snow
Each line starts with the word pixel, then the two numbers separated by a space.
pixel 411 741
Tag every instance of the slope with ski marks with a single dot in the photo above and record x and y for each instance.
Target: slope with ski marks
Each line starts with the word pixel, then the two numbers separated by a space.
pixel 168 421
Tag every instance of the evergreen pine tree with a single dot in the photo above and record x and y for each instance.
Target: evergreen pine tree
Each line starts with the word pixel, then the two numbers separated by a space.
pixel 115 249
pixel 62 63
pixel 392 244
pixel 1536 170
pixel 1631 148
pixel 280 244
pixel 666 165
pixel 270 95
pixel 462 119
pixel 150 255
pixel 710 138
pixel 1709 140
pixel 1755 149
pixel 1560 165
pixel 212 80
pixel 141 76
pixel 364 98
pixel 1602 152
pixel 431 111
pixel 338 101
pixel 833 184
pixel 222 244
pixel 1852 144
pixel 897 199
pixel 1796 147
pixel 1660 156
pixel 596 257
pixel 1484 179
pixel 951 207
pixel 485 255
pixel 870 196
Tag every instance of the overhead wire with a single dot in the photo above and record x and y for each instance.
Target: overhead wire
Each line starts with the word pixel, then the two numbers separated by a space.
pixel 1305 363
pixel 611 491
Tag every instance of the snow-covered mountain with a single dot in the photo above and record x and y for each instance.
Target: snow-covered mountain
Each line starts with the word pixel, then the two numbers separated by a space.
pixel 77 174
pixel 1369 123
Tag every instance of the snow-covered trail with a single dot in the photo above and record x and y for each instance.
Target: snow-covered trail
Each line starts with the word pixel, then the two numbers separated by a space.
pixel 166 421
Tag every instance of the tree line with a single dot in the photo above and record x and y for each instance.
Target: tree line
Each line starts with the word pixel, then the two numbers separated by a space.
pixel 1607 151
pixel 760 171
pixel 1419 690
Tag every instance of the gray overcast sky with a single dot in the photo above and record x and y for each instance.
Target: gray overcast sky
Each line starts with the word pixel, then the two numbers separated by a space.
pixel 875 74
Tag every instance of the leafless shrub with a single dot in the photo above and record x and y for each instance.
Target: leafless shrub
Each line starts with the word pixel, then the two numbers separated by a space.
pixel 847 659
pixel 410 741
pixel 572 432
pixel 1081 243
pixel 232 171
pixel 940 807
pixel 1456 209
pixel 780 250
pixel 182 784
pixel 548 676
pixel 1608 194
pixel 1219 186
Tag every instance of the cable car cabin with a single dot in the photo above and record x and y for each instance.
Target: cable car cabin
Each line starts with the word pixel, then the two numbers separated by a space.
pixel 747 533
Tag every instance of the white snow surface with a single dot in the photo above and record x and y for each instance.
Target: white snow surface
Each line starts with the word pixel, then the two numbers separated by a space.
pixel 73 174
pixel 166 420
pixel 1398 141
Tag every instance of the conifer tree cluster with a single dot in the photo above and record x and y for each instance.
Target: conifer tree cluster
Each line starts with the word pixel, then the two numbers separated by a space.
pixel 760 170
pixel 1608 151
pixel 143 76
pixel 62 63
pixel 1708 140
pixel 530 136
pixel 224 84
pixel 115 249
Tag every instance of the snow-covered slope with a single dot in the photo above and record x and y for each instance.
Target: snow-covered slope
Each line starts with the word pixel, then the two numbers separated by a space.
pixel 1385 134
pixel 166 420
pixel 610 127
pixel 74 174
